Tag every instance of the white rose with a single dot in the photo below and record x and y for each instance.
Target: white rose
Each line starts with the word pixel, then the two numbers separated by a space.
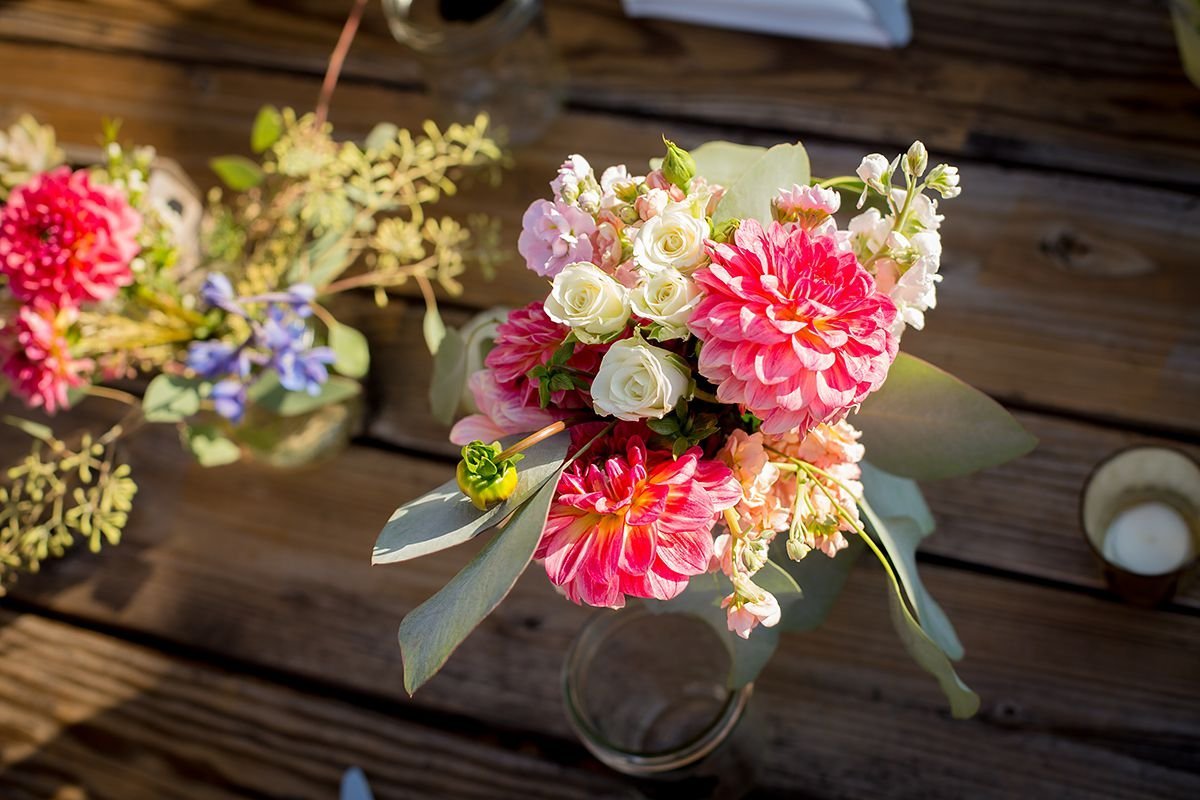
pixel 589 301
pixel 672 240
pixel 637 380
pixel 667 297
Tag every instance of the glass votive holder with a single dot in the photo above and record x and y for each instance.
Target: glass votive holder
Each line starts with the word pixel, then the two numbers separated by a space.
pixel 1140 513
pixel 492 56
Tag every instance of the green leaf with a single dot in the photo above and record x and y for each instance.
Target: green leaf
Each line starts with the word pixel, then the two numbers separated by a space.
pixel 899 518
pixel 270 395
pixel 432 631
pixel 725 162
pixel 35 429
pixel 237 172
pixel 326 259
pixel 926 424
pixel 352 354
pixel 268 127
pixel 449 377
pixel 445 517
pixel 170 398
pixel 434 329
pixel 749 197
pixel 210 447
pixel 964 703
pixel 820 577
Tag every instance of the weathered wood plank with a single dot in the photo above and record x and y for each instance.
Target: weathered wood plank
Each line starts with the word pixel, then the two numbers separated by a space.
pixel 1029 310
pixel 85 715
pixel 1085 85
pixel 276 571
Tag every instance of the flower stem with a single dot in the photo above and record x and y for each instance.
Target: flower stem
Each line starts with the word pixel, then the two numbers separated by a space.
pixel 337 59
pixel 111 394
pixel 532 439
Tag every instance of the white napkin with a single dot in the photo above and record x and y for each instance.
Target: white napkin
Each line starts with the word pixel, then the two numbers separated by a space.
pixel 878 23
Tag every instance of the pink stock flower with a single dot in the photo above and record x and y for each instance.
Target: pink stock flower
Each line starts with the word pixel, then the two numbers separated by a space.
pixel 745 614
pixel 64 241
pixel 527 339
pixel 760 510
pixel 793 329
pixel 35 357
pixel 835 449
pixel 637 523
pixel 502 412
pixel 554 235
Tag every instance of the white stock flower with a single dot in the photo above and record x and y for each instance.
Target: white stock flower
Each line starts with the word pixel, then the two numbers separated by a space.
pixel 672 240
pixel 588 300
pixel 871 229
pixel 750 606
pixel 668 298
pixel 572 176
pixel 872 170
pixel 637 380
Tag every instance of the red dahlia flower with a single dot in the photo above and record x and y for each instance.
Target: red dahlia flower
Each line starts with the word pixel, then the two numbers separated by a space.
pixel 639 524
pixel 793 328
pixel 64 241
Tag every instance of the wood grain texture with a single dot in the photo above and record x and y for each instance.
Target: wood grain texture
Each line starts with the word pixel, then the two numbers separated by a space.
pixel 1029 260
pixel 86 716
pixel 274 573
pixel 1094 86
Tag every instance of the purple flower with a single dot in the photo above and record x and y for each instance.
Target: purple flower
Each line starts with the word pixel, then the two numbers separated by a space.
pixel 304 371
pixel 554 235
pixel 215 359
pixel 218 292
pixel 229 399
pixel 300 297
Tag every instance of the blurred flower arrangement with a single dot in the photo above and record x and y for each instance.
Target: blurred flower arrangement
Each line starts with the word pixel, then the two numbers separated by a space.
pixel 715 361
pixel 117 270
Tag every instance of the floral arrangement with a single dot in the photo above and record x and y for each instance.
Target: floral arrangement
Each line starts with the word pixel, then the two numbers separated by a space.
pixel 118 270
pixel 719 415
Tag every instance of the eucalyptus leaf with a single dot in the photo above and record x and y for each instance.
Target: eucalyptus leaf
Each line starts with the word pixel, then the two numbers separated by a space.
pixel 171 398
pixel 269 394
pixel 449 377
pixel 432 631
pixel 326 259
pixel 211 447
pixel 924 423
pixel 268 127
pixel 445 516
pixel 237 172
pixel 964 703
pixel 434 329
pixel 352 354
pixel 725 162
pixel 749 197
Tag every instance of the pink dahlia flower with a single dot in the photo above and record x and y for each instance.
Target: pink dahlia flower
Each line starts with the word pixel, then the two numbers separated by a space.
pixel 527 339
pixel 35 357
pixel 554 235
pixel 793 329
pixel 64 241
pixel 502 412
pixel 638 523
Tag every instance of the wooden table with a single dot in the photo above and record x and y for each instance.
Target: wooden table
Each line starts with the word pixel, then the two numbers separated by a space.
pixel 238 644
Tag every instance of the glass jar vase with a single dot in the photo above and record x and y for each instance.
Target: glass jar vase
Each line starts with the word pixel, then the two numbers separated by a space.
pixel 648 695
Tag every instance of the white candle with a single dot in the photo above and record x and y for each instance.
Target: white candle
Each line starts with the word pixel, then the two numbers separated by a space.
pixel 1149 539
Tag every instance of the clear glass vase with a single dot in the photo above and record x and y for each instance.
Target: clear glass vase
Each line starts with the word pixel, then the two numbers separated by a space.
pixel 490 56
pixel 648 695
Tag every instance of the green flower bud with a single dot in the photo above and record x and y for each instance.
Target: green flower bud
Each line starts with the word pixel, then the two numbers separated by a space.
pixel 484 479
pixel 725 230
pixel 678 167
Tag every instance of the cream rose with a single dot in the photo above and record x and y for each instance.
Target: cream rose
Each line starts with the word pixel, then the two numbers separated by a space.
pixel 589 301
pixel 668 298
pixel 637 380
pixel 672 240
